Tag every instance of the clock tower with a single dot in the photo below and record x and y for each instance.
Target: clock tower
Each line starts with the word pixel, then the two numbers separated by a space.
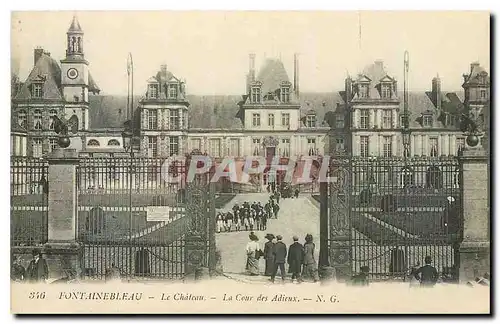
pixel 76 81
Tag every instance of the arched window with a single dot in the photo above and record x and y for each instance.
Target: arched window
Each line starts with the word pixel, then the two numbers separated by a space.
pixel 434 178
pixel 407 177
pixel 22 118
pixel 95 221
pixel 93 142
pixel 73 124
pixel 113 142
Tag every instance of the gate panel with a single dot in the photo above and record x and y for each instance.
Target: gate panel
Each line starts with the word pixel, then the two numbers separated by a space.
pixel 131 218
pixel 399 211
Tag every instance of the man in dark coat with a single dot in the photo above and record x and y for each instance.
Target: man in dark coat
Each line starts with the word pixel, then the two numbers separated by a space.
pixel 427 275
pixel 269 255
pixel 17 271
pixel 295 259
pixel 279 253
pixel 37 270
pixel 276 209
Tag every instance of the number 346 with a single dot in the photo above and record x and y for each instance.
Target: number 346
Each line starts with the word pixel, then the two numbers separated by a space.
pixel 37 295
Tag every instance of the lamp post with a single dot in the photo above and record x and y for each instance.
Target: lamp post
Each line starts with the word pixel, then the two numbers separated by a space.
pixel 128 144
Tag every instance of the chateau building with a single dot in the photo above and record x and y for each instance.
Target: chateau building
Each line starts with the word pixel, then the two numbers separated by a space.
pixel 53 90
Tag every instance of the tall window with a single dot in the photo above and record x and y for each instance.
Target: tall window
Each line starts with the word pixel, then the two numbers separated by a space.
pixel 196 144
pixel 174 119
pixel 234 147
pixel 403 120
pixel 256 120
pixel 364 146
pixel 483 93
pixel 387 118
pixel 339 121
pixel 215 147
pixel 311 146
pixel 364 122
pixel 311 121
pixel 387 146
pixel 174 145
pixel 386 91
pixel 427 121
pixel 433 144
pixel 339 144
pixel 270 120
pixel 285 147
pixel 285 94
pixel 460 145
pixel 153 91
pixel 52 114
pixel 256 94
pixel 22 118
pixel 152 119
pixel 36 90
pixel 152 146
pixel 172 91
pixel 53 144
pixel 363 90
pixel 37 147
pixel 256 146
pixel 37 119
pixel 285 119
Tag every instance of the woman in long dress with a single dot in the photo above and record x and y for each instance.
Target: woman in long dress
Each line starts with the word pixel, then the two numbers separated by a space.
pixel 253 254
pixel 220 223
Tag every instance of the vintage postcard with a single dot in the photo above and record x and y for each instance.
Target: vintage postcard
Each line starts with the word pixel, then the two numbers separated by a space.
pixel 250 162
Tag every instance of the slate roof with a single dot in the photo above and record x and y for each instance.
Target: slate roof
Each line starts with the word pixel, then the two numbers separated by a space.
pixel 374 73
pixel 75 26
pixel 271 75
pixel 46 70
pixel 475 74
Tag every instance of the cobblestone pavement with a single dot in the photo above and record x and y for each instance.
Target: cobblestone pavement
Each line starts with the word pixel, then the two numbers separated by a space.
pixel 296 217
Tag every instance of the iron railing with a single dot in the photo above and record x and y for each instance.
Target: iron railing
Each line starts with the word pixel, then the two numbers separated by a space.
pixel 29 180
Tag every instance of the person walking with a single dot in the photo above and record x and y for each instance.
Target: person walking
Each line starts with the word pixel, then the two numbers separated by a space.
pixel 220 222
pixel 310 267
pixel 37 270
pixel 295 259
pixel 269 255
pixel 253 254
pixel 279 253
pixel 229 221
pixel 427 275
pixel 276 209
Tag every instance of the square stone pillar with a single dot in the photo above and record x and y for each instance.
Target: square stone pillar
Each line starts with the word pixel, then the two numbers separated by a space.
pixel 475 247
pixel 62 251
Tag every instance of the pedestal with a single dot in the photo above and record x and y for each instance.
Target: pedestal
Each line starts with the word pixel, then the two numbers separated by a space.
pixel 475 247
pixel 195 256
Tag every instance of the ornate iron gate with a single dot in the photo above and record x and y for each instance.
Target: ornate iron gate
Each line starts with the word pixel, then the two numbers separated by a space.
pixel 133 217
pixel 390 213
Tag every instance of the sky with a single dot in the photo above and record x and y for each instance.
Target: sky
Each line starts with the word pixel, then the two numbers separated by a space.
pixel 209 49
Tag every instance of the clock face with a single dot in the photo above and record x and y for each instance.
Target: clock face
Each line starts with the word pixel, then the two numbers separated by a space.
pixel 72 73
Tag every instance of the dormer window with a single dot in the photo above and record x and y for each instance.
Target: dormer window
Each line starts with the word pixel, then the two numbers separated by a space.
pixel 285 92
pixel 385 90
pixel 255 94
pixel 153 91
pixel 339 121
pixel 36 90
pixel 363 90
pixel 311 120
pixel 427 121
pixel 172 91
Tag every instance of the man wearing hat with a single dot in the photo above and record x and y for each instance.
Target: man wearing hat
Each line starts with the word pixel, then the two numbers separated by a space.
pixel 279 252
pixel 37 269
pixel 295 259
pixel 268 255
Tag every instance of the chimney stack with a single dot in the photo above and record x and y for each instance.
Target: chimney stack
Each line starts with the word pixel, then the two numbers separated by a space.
pixel 296 74
pixel 252 67
pixel 436 92
pixel 37 54
pixel 163 68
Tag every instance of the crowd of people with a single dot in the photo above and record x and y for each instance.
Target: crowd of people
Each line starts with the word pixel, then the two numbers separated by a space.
pixel 299 257
pixel 249 216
